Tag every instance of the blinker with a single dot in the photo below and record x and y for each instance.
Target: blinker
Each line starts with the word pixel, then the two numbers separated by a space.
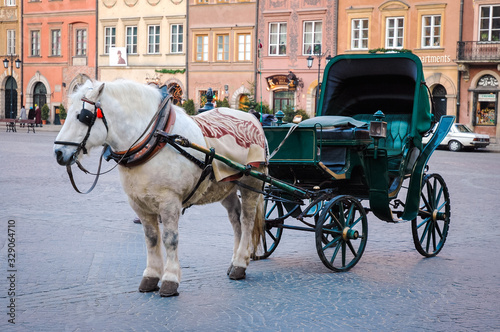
pixel 86 117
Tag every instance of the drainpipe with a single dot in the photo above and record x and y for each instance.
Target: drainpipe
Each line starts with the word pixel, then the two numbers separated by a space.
pixel 96 39
pixel 459 75
pixel 336 27
pixel 256 58
pixel 186 40
pixel 22 52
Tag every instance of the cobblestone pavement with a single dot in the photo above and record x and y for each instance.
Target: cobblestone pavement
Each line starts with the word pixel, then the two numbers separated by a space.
pixel 79 261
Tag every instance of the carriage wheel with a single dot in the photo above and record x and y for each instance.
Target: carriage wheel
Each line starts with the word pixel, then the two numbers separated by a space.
pixel 430 228
pixel 341 233
pixel 272 234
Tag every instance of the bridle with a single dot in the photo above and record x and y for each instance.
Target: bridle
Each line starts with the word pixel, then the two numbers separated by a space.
pixel 88 118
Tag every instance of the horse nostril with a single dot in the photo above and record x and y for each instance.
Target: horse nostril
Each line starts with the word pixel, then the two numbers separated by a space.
pixel 59 156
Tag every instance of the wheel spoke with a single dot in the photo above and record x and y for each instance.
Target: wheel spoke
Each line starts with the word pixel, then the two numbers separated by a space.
pixel 425 232
pixel 335 253
pixel 333 241
pixel 424 222
pixel 349 244
pixel 343 253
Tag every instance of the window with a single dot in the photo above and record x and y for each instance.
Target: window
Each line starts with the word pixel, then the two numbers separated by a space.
pixel 11 42
pixel 277 39
pixel 431 31
pixel 489 25
pixel 10 2
pixel 81 42
pixel 153 39
pixel 283 99
pixel 201 48
pixel 35 42
pixel 244 47
pixel 176 38
pixel 56 42
pixel 312 38
pixel 131 39
pixel 223 48
pixel 394 32
pixel 109 38
pixel 359 34
pixel 486 101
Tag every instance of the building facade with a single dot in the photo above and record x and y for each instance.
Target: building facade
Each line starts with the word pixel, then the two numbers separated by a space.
pixel 289 32
pixel 11 93
pixel 221 49
pixel 478 57
pixel 143 41
pixel 427 28
pixel 58 51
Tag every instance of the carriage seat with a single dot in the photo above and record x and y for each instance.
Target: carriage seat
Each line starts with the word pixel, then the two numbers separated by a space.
pixel 398 128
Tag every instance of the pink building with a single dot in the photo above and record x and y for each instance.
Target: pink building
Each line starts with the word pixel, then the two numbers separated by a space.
pixel 59 50
pixel 289 32
pixel 478 57
pixel 221 49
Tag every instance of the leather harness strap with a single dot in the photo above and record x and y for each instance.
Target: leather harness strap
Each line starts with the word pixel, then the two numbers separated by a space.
pixel 151 144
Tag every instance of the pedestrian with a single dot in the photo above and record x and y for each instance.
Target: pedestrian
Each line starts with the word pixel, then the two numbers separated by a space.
pixel 31 114
pixel 38 117
pixel 23 116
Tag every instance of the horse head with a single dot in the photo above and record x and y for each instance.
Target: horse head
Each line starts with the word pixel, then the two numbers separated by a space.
pixel 85 126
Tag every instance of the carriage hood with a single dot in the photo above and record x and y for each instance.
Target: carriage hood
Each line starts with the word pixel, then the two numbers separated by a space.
pixel 365 83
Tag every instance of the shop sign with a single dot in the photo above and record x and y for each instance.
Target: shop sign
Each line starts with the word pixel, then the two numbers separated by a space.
pixel 488 97
pixel 277 82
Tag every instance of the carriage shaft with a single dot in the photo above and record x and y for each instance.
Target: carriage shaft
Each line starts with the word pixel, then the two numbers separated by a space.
pixel 245 169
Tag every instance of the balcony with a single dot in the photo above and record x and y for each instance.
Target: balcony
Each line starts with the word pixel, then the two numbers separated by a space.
pixel 477 52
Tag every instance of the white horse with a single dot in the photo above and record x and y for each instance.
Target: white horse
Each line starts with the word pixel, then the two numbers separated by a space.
pixel 158 188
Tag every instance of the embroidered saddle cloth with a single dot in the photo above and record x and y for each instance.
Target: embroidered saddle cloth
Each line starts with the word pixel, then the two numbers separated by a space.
pixel 235 135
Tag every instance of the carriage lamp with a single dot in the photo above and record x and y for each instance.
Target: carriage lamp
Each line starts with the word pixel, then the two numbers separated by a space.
pixel 378 130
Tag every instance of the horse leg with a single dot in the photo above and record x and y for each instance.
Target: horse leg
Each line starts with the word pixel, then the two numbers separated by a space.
pixel 154 267
pixel 172 271
pixel 233 206
pixel 249 200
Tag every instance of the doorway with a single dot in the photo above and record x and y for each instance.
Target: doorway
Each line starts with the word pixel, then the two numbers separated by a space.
pixel 440 101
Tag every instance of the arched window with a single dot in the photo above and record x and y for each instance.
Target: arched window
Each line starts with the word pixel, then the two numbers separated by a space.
pixel 440 102
pixel 11 98
pixel 176 92
pixel 39 95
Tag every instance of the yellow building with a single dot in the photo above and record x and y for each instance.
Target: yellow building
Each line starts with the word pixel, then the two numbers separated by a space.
pixel 428 28
pixel 11 96
pixel 144 41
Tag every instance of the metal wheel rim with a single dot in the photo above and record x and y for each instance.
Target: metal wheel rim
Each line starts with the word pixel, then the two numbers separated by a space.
pixel 430 228
pixel 339 253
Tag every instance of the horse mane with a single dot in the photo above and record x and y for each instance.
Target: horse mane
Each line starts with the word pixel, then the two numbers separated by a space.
pixel 131 95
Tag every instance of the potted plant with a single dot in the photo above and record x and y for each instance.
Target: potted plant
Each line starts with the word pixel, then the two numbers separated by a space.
pixel 45 113
pixel 62 113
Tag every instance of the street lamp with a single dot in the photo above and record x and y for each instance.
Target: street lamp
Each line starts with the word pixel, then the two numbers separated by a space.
pixel 310 61
pixel 6 65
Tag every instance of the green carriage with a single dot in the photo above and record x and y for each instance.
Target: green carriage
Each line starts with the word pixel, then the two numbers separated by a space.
pixel 364 145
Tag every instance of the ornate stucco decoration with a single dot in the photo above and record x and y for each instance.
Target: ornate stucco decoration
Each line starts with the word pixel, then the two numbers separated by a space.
pixel 109 3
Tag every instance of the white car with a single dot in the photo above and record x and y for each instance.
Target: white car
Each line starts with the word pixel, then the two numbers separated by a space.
pixel 460 136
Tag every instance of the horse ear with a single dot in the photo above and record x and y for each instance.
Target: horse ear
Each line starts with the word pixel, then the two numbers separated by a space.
pixel 94 94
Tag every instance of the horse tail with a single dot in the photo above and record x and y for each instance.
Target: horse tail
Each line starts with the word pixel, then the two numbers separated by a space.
pixel 258 227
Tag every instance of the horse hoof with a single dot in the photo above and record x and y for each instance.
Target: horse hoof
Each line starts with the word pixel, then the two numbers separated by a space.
pixel 230 268
pixel 237 273
pixel 149 284
pixel 169 288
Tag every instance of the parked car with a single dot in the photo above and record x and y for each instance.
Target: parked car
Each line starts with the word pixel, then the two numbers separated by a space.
pixel 460 137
